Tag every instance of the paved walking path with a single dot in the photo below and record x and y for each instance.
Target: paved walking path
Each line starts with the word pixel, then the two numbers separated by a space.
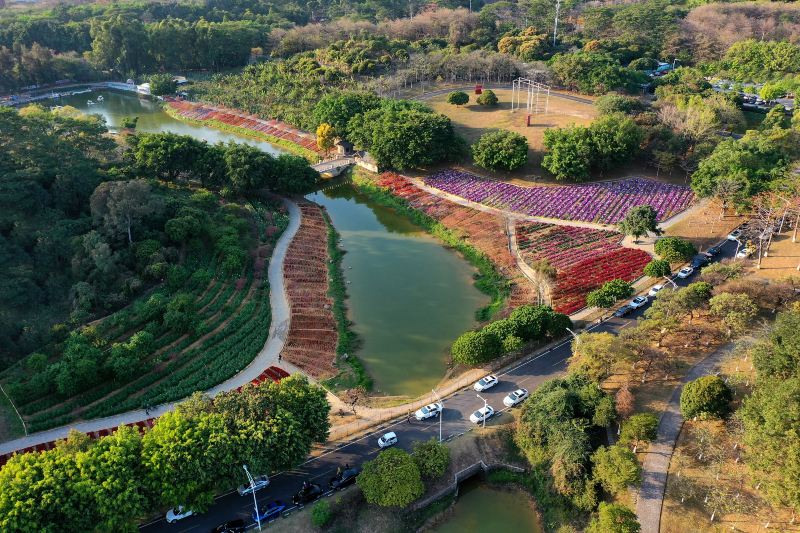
pixel 659 453
pixel 268 356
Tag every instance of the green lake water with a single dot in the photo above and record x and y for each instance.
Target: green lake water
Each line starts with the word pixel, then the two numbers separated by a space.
pixel 484 509
pixel 409 297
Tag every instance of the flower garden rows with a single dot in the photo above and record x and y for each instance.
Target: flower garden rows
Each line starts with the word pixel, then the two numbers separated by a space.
pixel 239 119
pixel 584 258
pixel 311 342
pixel 605 203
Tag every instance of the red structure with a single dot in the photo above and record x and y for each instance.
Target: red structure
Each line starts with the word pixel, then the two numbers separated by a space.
pixel 478 88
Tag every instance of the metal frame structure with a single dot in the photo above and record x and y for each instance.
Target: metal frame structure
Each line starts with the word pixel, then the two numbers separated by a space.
pixel 537 96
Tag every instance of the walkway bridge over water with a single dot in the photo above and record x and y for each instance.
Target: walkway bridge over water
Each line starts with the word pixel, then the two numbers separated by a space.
pixel 333 167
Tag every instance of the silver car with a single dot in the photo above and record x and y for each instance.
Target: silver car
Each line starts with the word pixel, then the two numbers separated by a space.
pixel 432 410
pixel 259 482
pixel 515 398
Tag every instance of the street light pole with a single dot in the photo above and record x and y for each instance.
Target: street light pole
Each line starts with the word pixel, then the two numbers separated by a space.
pixel 441 413
pixel 485 405
pixel 24 427
pixel 255 500
pixel 575 335
pixel 674 285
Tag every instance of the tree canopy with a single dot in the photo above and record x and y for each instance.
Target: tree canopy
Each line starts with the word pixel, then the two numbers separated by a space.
pixel 391 480
pixel 501 150
pixel 639 221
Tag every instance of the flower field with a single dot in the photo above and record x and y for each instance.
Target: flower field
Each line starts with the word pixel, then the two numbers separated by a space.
pixel 239 119
pixel 311 341
pixel 605 203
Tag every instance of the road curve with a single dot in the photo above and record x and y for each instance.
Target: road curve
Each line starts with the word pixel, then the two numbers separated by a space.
pixel 279 327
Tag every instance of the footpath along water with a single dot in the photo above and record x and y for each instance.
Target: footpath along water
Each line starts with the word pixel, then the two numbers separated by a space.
pixel 409 297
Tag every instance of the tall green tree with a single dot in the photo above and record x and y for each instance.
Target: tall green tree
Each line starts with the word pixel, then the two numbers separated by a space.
pixel 391 480
pixel 501 150
pixel 639 221
pixel 616 468
pixel 120 205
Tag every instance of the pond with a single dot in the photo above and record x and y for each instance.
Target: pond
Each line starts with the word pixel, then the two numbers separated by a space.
pixel 409 297
pixel 481 508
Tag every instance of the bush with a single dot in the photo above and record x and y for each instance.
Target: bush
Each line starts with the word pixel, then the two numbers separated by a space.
pixel 458 98
pixel 476 347
pixel 675 249
pixel 657 268
pixel 321 513
pixel 614 518
pixel 641 427
pixel 500 150
pixel 391 479
pixel 706 397
pixel 432 458
pixel 616 103
pixel 610 293
pixel 615 468
pixel 487 98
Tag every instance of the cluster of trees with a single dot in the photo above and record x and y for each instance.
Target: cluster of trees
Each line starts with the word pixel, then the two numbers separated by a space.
pixel 525 324
pixel 760 60
pixel 191 453
pixel 609 293
pixel 24 66
pixel 573 152
pixel 593 72
pixel 500 150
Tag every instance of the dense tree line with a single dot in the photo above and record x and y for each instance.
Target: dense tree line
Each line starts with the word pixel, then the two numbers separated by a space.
pixel 111 483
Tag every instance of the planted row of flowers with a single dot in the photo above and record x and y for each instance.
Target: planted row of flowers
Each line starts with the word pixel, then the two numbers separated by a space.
pixel 606 202
pixel 563 246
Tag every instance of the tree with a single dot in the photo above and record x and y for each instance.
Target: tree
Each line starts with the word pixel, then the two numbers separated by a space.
pixel 615 138
pixel 675 249
pixel 476 347
pixel 248 168
pixel 120 205
pixel 391 480
pixel 609 104
pixel 168 155
pixel 596 354
pixel 706 397
pixel 161 84
pixel 129 122
pixel 776 118
pixel 641 427
pixel 657 268
pixel 569 152
pixel 736 311
pixel 610 293
pixel 778 357
pixel 616 468
pixel 501 150
pixel 614 518
pixel 337 108
pixel 487 98
pixel 639 221
pixel 624 401
pixel 294 175
pixel 432 458
pixel 325 137
pixel 457 98
pixel 593 73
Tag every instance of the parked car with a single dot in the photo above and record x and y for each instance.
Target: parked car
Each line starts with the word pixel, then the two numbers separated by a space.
pixel 178 513
pixel 734 235
pixel 484 413
pixel 700 260
pixel 259 482
pixel 515 398
pixel 622 311
pixel 654 289
pixel 639 301
pixel 485 383
pixel 432 410
pixel 309 493
pixel 344 479
pixel 715 250
pixel 232 526
pixel 272 511
pixel 685 272
pixel 389 439
pixel 744 252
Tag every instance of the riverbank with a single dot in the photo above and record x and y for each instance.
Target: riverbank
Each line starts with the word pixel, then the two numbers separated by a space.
pixel 488 280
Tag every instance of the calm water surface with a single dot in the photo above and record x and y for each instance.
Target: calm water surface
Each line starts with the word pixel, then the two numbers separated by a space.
pixel 483 509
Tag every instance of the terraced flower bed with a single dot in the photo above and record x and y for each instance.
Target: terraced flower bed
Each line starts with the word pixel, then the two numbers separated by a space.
pixel 311 342
pixel 563 246
pixel 605 202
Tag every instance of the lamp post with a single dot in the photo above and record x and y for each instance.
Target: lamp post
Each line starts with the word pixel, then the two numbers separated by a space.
pixel 441 413
pixel 674 285
pixel 24 427
pixel 485 405
pixel 255 501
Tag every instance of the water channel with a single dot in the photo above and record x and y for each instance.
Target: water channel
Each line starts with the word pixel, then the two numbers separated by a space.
pixel 481 508
pixel 409 297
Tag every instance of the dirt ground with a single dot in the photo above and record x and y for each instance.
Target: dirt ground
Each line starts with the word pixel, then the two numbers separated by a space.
pixel 783 259
pixel 704 226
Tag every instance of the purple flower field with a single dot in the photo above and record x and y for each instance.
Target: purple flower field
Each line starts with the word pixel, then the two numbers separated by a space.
pixel 604 203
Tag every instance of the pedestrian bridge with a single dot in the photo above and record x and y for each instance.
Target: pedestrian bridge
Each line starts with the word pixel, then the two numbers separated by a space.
pixel 333 167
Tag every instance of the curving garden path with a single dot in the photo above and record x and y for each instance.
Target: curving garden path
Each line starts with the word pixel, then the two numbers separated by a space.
pixel 268 356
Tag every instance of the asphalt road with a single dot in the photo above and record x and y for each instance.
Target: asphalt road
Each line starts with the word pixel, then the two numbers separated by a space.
pixel 455 420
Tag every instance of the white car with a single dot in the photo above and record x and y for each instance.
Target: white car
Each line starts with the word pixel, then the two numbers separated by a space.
pixel 484 413
pixel 389 439
pixel 685 272
pixel 734 235
pixel 485 383
pixel 259 482
pixel 432 410
pixel 744 252
pixel 516 397
pixel 654 290
pixel 637 302
pixel 178 513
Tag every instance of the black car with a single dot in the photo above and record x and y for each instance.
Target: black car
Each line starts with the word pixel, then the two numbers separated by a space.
pixel 344 479
pixel 232 526
pixel 622 311
pixel 700 261
pixel 714 250
pixel 309 493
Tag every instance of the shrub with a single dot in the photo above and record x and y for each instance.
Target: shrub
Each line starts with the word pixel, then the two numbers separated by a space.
pixel 391 479
pixel 610 293
pixel 476 347
pixel 657 268
pixel 501 150
pixel 641 427
pixel 614 518
pixel 609 104
pixel 615 468
pixel 706 397
pixel 321 513
pixel 675 249
pixel 458 98
pixel 487 98
pixel 432 458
